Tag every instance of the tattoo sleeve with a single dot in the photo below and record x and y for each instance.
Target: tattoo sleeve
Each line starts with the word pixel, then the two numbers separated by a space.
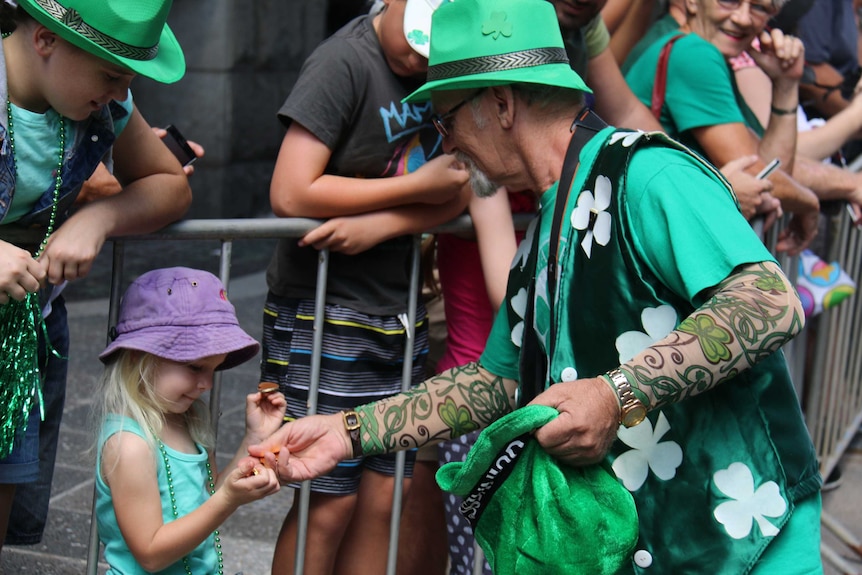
pixel 453 403
pixel 748 316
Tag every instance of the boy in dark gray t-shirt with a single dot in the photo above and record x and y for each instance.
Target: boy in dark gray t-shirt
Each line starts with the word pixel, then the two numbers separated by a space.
pixel 373 167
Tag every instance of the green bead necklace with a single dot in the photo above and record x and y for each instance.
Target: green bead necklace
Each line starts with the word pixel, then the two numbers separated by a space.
pixel 210 488
pixel 58 180
pixel 20 384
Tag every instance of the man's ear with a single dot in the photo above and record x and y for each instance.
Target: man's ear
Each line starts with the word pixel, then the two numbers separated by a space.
pixel 44 40
pixel 503 99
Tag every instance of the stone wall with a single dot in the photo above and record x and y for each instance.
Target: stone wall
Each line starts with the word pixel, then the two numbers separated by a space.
pixel 242 57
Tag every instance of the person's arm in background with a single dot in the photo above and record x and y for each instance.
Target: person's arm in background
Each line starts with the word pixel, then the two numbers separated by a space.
pixel 615 101
pixel 753 194
pixel 301 189
pixel 817 143
pixel 495 234
pixel 155 193
pixel 828 99
pixel 355 234
pixel 102 182
pixel 822 141
pixel 627 21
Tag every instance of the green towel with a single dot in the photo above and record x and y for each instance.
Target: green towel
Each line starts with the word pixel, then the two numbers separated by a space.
pixel 533 515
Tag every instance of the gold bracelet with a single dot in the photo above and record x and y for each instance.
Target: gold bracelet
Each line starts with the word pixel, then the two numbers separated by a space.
pixel 782 111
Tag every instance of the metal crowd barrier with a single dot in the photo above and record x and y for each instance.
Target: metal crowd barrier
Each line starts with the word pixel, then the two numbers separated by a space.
pixel 833 398
pixel 228 230
pixel 833 393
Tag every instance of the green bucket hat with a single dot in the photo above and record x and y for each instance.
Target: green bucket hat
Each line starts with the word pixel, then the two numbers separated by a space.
pixel 130 33
pixel 479 43
pixel 532 515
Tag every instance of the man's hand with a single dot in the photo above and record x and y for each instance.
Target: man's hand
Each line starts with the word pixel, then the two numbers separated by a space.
pixel 306 448
pixel 587 424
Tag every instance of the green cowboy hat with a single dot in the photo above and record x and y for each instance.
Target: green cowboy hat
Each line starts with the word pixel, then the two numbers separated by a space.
pixel 533 515
pixel 479 43
pixel 130 33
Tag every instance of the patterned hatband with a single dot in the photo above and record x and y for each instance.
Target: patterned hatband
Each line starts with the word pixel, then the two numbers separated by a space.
pixel 70 18
pixel 497 63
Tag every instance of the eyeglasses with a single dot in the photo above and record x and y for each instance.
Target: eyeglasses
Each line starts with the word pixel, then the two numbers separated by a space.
pixel 442 121
pixel 758 11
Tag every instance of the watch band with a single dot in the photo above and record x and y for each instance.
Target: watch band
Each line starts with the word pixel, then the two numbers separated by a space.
pixel 352 425
pixel 632 411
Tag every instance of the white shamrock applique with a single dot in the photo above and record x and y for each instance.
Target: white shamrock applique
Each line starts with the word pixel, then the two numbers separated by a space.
pixel 648 452
pixel 657 323
pixel 590 215
pixel 628 138
pixel 748 503
pixel 523 253
pixel 519 306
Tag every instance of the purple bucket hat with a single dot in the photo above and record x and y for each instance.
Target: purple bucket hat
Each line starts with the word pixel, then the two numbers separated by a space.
pixel 180 314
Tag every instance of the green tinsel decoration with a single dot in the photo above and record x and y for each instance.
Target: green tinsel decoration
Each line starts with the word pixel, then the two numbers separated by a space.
pixel 20 384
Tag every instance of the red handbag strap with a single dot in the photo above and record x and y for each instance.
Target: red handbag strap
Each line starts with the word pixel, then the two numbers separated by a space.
pixel 660 83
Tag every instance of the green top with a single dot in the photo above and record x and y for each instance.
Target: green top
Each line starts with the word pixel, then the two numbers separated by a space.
pixel 700 91
pixel 715 476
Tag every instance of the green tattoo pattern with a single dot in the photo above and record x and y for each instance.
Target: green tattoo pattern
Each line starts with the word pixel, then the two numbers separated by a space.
pixel 455 402
pixel 749 316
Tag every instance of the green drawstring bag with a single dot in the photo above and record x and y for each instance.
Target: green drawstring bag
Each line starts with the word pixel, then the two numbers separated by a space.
pixel 533 515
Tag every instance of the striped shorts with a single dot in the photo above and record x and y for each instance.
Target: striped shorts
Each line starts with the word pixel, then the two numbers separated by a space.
pixel 362 360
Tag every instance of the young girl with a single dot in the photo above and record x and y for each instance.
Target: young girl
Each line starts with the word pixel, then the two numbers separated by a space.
pixel 65 71
pixel 159 499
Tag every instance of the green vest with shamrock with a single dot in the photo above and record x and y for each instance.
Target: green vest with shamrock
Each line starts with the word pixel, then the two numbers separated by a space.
pixel 715 476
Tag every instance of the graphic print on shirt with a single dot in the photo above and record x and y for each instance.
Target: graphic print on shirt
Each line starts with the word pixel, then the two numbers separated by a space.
pixel 410 124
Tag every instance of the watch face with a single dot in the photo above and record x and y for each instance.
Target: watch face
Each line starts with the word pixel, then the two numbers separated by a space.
pixel 634 415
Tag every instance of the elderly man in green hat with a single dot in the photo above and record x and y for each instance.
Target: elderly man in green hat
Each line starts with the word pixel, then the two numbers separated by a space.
pixel 641 307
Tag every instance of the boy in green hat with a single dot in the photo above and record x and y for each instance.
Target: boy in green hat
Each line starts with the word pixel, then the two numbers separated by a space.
pixel 65 70
pixel 650 317
pixel 355 154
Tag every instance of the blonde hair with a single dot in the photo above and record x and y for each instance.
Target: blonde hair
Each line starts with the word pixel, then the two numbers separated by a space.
pixel 127 387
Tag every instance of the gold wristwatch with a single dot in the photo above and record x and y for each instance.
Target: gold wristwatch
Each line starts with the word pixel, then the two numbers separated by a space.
pixel 632 411
pixel 352 424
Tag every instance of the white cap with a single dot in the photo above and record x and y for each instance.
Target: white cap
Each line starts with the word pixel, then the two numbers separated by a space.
pixel 417 23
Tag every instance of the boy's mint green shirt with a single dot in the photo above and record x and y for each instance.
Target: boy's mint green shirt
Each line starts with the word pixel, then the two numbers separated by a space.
pixel 716 476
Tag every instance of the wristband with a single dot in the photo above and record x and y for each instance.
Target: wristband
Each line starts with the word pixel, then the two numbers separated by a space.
pixel 782 111
pixel 352 424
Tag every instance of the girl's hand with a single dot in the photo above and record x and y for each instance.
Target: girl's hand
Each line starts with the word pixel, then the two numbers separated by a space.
pixel 20 274
pixel 264 414
pixel 247 482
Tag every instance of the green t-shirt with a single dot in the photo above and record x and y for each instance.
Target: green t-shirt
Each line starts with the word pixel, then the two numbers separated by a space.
pixel 701 90
pixel 659 28
pixel 643 237
pixel 36 149
pixel 690 237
